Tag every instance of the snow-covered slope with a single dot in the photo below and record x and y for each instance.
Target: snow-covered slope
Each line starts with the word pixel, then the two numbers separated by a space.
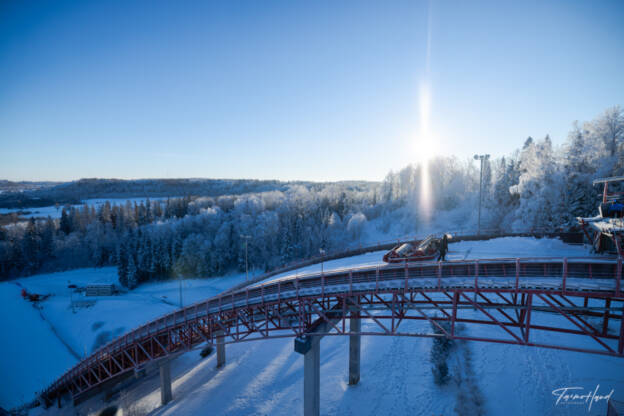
pixel 30 355
pixel 47 341
pixel 266 377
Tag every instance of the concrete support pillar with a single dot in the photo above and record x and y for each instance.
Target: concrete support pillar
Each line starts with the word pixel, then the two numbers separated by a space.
pixel 312 379
pixel 165 382
pixel 309 346
pixel 220 350
pixel 354 351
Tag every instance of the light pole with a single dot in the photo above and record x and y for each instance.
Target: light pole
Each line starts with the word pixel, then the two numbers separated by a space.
pixel 482 158
pixel 322 257
pixel 71 295
pixel 180 286
pixel 246 237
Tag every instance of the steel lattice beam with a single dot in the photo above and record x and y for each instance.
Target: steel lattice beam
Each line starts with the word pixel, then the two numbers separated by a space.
pixel 493 291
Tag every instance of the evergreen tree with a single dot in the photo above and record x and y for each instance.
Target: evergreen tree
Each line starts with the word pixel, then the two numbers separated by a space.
pixel 105 213
pixel 31 246
pixel 47 238
pixel 132 279
pixel 65 224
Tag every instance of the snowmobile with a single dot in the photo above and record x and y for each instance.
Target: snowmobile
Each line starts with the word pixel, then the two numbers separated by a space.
pixel 33 297
pixel 427 249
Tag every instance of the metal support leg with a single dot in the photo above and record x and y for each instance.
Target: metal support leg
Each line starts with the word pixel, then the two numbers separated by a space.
pixel 312 380
pixel 354 351
pixel 165 382
pixel 220 350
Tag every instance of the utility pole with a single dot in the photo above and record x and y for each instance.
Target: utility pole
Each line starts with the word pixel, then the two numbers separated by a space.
pixel 482 158
pixel 246 237
pixel 180 284
pixel 71 295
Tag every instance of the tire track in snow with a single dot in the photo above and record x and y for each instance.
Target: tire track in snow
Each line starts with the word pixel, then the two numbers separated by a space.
pixel 396 379
pixel 52 328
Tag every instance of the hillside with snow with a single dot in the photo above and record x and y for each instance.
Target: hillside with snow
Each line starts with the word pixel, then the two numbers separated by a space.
pixel 265 377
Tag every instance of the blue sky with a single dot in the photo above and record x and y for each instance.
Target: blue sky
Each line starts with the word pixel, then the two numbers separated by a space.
pixel 316 90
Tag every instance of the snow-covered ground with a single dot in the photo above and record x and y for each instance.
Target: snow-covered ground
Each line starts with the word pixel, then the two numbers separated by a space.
pixel 266 377
pixel 31 356
pixel 39 351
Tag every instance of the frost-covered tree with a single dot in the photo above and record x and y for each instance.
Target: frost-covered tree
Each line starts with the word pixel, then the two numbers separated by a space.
pixel 132 278
pixel 539 186
pixel 502 202
pixel 356 225
pixel 610 128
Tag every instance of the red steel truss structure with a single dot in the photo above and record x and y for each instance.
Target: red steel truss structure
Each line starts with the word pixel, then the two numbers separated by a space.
pixel 507 295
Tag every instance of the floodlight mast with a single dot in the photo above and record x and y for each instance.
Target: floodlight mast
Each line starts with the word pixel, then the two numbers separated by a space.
pixel 482 158
pixel 246 237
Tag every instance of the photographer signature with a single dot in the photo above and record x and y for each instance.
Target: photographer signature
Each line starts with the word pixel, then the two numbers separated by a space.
pixel 578 395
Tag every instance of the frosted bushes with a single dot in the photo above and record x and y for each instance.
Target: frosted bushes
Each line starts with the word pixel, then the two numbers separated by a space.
pixel 356 225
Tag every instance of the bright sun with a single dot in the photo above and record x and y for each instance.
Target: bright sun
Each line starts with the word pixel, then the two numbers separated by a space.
pixel 425 149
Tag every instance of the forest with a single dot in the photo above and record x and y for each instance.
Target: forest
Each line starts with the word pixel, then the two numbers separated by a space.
pixel 538 187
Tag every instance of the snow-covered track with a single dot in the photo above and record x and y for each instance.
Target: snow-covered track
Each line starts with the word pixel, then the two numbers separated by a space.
pixel 506 295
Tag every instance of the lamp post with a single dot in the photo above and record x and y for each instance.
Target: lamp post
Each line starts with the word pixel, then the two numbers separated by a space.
pixel 246 237
pixel 482 158
pixel 180 287
pixel 322 257
pixel 71 288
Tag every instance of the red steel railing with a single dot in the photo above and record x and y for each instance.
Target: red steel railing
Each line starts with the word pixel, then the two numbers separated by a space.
pixel 289 306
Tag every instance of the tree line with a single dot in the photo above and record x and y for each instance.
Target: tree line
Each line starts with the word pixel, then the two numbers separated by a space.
pixel 539 186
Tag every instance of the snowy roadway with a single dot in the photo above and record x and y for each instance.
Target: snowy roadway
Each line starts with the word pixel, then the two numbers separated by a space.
pixel 506 247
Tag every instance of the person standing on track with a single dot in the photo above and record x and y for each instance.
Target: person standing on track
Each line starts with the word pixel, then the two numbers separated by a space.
pixel 443 248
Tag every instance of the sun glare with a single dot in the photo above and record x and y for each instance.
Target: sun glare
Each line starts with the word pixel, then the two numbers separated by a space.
pixel 425 141
pixel 424 146
pixel 424 151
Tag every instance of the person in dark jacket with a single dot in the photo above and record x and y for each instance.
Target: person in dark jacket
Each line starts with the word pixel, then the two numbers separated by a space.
pixel 443 248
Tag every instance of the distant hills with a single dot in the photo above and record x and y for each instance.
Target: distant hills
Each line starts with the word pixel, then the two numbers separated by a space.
pixel 10 186
pixel 40 194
